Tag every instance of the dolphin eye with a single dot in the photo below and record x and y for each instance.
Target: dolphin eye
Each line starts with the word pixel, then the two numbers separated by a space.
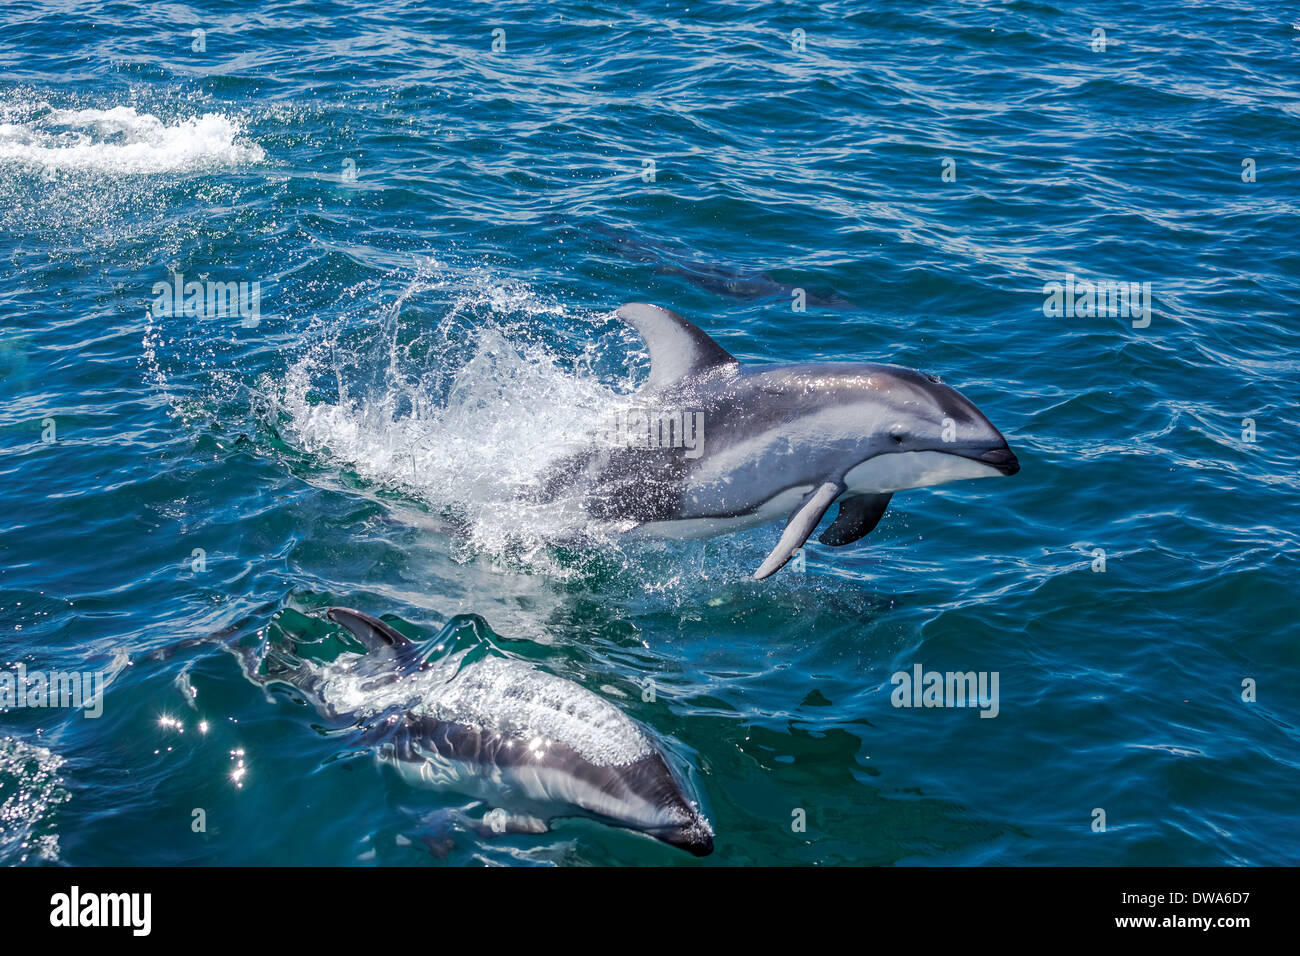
pixel 897 432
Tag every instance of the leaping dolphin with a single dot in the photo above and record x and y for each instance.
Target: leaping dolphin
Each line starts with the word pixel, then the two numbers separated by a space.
pixel 529 744
pixel 713 446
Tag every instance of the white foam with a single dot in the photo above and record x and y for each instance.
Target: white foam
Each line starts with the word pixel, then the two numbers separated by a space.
pixel 122 140
pixel 468 411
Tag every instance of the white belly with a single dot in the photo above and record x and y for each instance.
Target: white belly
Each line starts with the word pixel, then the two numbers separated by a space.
pixel 777 508
pixel 898 471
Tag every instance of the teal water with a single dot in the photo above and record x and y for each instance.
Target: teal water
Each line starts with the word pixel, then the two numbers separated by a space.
pixel 440 233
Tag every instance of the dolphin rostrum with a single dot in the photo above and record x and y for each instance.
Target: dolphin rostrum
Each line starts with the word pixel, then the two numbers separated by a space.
pixel 710 446
pixel 531 745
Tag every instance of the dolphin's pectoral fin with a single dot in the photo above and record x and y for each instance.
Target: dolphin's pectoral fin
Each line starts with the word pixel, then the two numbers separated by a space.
pixel 858 516
pixel 677 347
pixel 498 822
pixel 797 529
pixel 519 823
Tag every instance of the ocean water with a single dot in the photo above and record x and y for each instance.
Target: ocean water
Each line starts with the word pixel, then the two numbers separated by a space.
pixel 436 209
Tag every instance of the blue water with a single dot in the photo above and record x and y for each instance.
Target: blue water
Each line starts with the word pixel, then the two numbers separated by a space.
pixel 440 233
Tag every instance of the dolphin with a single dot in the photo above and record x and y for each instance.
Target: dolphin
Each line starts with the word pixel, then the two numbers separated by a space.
pixel 709 446
pixel 715 277
pixel 531 745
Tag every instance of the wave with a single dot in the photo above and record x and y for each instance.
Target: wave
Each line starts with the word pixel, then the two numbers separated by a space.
pixel 122 140
pixel 30 781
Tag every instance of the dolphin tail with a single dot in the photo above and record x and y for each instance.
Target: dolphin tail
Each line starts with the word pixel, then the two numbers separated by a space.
pixel 225 637
pixel 801 524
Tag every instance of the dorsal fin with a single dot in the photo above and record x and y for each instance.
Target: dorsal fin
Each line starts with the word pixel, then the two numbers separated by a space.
pixel 370 631
pixel 677 347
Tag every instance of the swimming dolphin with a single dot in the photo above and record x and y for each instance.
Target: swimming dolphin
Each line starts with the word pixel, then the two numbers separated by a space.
pixel 714 276
pixel 497 729
pixel 708 446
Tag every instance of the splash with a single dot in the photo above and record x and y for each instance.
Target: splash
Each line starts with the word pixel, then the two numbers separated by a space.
pixel 122 140
pixel 452 397
pixel 465 404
